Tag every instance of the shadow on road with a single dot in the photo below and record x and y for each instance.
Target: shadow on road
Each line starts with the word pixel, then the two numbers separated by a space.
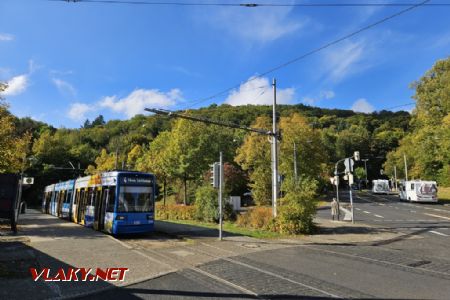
pixel 16 281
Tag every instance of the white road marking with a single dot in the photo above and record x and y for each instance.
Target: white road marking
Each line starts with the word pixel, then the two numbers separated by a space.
pixel 357 208
pixel 438 233
pixel 378 216
pixel 437 216
pixel 366 212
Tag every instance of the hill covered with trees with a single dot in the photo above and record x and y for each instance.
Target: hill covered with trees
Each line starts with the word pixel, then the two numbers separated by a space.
pixel 179 152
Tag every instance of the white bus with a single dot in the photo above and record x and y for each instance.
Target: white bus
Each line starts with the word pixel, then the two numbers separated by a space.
pixel 380 186
pixel 418 191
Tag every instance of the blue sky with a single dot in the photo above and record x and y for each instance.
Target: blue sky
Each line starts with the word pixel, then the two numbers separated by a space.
pixel 66 62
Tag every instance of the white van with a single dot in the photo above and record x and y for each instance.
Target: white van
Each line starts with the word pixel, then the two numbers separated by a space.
pixel 418 191
pixel 380 186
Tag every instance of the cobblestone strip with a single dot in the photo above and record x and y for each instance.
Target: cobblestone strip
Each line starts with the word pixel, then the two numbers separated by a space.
pixel 262 284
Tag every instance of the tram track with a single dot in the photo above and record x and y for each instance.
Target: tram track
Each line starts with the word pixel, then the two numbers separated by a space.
pixel 239 267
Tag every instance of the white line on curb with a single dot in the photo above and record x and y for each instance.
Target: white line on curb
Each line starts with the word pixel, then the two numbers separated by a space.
pixel 438 233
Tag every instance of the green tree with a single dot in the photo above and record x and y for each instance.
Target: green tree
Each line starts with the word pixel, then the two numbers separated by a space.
pixel 254 157
pixel 427 145
pixel 310 154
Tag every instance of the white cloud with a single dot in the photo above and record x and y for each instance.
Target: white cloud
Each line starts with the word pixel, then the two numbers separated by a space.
pixel 16 85
pixel 5 37
pixel 78 111
pixel 258 91
pixel 323 95
pixel 261 25
pixel 326 95
pixel 139 99
pixel 344 60
pixel 441 41
pixel 309 100
pixel 362 105
pixel 64 87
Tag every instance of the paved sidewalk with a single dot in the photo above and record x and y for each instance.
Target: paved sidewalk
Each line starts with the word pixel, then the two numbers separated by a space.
pixel 45 241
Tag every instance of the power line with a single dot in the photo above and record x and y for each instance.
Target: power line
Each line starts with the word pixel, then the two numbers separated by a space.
pixel 253 4
pixel 314 51
pixel 397 106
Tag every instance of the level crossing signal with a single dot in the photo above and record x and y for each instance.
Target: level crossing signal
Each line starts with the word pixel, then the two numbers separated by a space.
pixel 215 174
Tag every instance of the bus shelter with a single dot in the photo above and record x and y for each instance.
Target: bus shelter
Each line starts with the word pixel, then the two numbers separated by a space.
pixel 10 198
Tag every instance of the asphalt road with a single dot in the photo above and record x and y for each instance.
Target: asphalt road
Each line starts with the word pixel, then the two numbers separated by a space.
pixel 414 266
pixel 428 225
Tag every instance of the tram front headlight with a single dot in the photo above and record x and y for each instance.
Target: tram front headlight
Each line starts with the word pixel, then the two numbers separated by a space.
pixel 121 218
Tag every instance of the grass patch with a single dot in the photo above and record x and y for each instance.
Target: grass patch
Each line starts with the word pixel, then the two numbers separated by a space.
pixel 231 228
pixel 322 203
pixel 444 194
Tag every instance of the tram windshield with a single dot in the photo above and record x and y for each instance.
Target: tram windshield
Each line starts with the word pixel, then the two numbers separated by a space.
pixel 135 199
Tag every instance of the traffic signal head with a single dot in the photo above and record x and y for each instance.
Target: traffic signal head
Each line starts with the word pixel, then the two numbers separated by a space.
pixel 215 174
pixel 356 156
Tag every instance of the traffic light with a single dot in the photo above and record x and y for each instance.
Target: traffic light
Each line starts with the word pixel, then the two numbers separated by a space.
pixel 215 174
pixel 356 156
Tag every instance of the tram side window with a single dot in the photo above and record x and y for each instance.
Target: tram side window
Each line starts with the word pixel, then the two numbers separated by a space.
pixel 90 198
pixel 111 199
pixel 77 197
pixel 69 196
pixel 412 186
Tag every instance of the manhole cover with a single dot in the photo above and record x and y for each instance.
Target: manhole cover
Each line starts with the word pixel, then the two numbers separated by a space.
pixel 182 253
pixel 252 246
pixel 419 263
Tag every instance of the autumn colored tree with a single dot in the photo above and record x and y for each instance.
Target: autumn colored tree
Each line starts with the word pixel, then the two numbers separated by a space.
pixel 254 157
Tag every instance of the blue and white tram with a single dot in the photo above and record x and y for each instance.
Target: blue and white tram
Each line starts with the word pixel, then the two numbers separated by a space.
pixel 117 202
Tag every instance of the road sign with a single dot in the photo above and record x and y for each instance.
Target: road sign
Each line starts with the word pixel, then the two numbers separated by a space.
pixel 28 180
pixel 350 179
pixel 348 162
pixel 334 180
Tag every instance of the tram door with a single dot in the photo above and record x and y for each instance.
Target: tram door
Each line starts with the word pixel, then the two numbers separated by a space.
pixel 69 204
pixel 61 198
pixel 101 208
pixel 81 206
pixel 97 208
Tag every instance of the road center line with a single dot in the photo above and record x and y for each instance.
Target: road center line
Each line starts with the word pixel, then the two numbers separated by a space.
pixel 378 216
pixel 366 212
pixel 437 216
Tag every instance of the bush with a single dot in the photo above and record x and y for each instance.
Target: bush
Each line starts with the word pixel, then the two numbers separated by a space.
pixel 294 219
pixel 174 212
pixel 257 218
pixel 296 215
pixel 207 205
